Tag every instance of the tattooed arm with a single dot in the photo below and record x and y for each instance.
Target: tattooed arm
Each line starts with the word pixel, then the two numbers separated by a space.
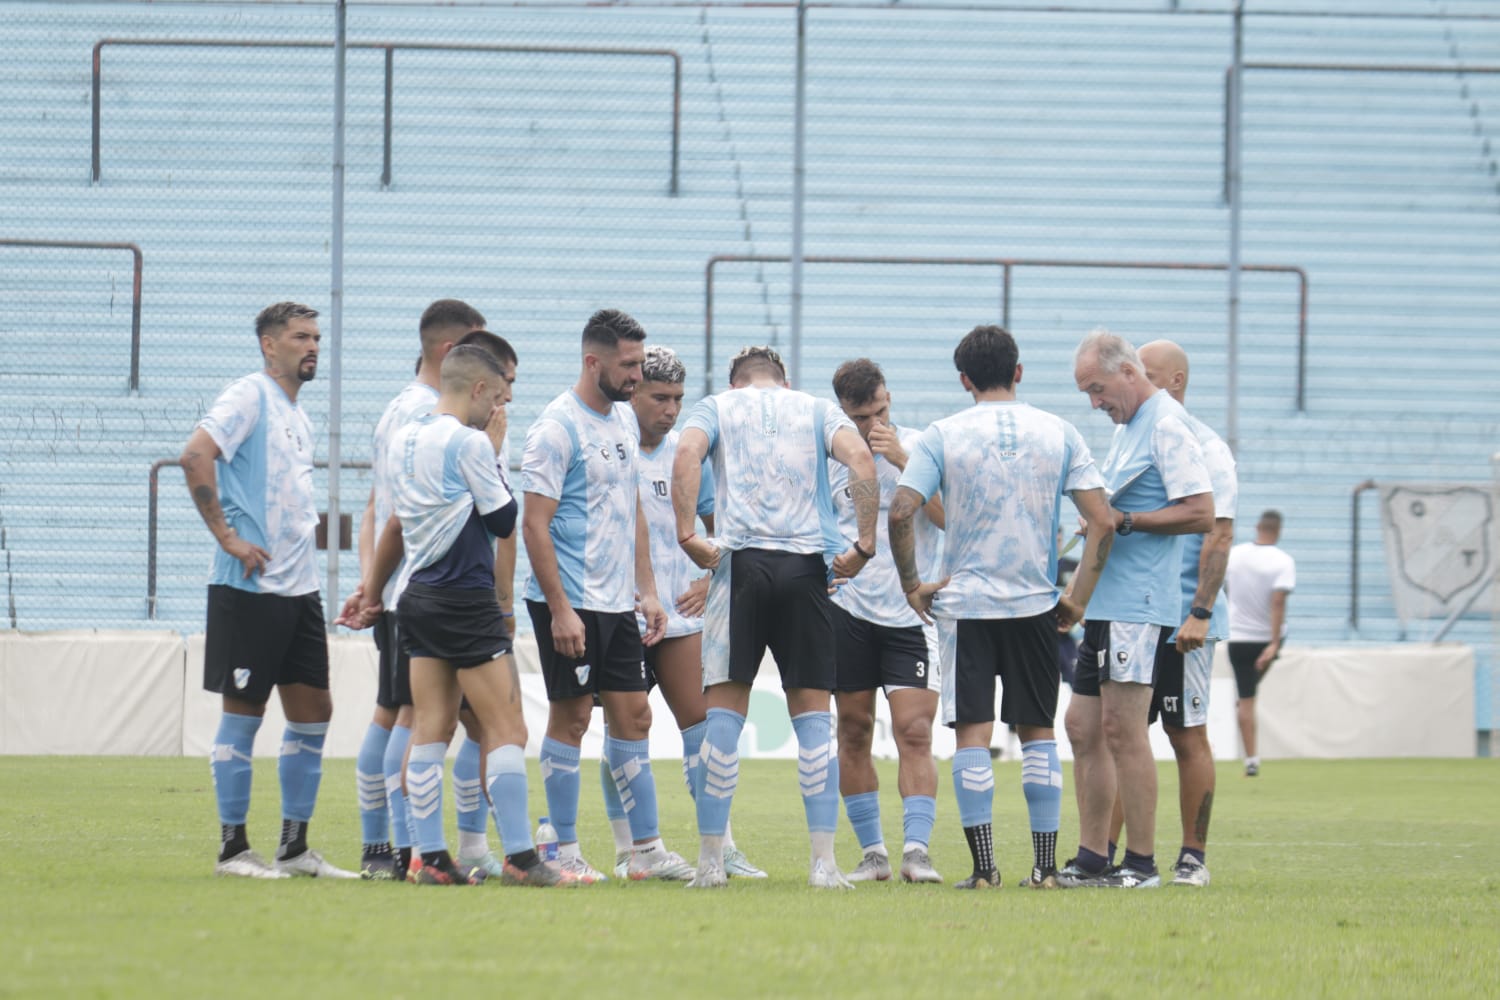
pixel 904 506
pixel 1212 562
pixel 864 489
pixel 197 463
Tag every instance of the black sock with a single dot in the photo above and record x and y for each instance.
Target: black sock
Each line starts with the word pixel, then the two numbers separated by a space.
pixel 403 861
pixel 1090 863
pixel 1112 848
pixel 293 839
pixel 232 840
pixel 1194 853
pixel 376 850
pixel 438 859
pixel 523 860
pixel 982 847
pixel 1044 850
pixel 1140 862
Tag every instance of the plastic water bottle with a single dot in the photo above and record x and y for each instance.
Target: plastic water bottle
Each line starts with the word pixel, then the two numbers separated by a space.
pixel 546 839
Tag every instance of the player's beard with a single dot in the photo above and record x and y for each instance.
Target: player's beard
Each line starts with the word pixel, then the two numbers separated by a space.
pixel 620 393
pixel 307 372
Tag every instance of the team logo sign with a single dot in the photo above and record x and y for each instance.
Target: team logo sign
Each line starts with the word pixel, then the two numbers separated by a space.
pixel 1441 538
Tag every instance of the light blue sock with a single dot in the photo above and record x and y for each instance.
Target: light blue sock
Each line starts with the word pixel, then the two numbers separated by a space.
pixel 560 780
pixel 973 785
pixel 1042 783
pixel 718 771
pixel 468 794
pixel 692 742
pixel 369 784
pixel 424 792
pixel 613 808
pixel 864 815
pixel 630 764
pixel 918 812
pixel 395 750
pixel 506 769
pixel 817 770
pixel 230 764
pixel 301 768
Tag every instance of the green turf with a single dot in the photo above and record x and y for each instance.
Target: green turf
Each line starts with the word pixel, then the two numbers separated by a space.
pixel 1349 878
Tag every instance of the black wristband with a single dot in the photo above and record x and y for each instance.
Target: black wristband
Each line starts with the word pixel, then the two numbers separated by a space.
pixel 1202 614
pixel 866 555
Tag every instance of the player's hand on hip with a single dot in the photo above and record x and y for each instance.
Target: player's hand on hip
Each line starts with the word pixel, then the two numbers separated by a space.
pixel 1191 633
pixel 848 563
pixel 252 557
pixel 656 621
pixel 703 553
pixel 568 636
pixel 1267 655
pixel 692 602
pixel 920 598
pixel 1069 613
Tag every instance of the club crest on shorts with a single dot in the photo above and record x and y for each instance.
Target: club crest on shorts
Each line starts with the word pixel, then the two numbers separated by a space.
pixel 1122 656
pixel 241 677
pixel 582 673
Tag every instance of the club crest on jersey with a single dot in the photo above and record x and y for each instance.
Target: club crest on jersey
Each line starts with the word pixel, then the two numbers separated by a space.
pixel 582 673
pixel 241 677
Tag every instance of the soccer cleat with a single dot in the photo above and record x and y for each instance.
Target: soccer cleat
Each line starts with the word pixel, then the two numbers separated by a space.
pixel 248 864
pixel 663 866
pixel 1252 768
pixel 492 865
pixel 709 877
pixel 622 864
pixel 1040 878
pixel 981 880
pixel 1070 876
pixel 825 875
pixel 540 875
pixel 1190 871
pixel 1118 877
pixel 873 867
pixel 449 874
pixel 310 864
pixel 580 870
pixel 916 866
pixel 736 865
pixel 378 867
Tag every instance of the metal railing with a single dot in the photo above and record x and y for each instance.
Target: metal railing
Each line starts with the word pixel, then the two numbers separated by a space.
pixel 152 506
pixel 1330 68
pixel 1006 265
pixel 1368 484
pixel 390 49
pixel 135 288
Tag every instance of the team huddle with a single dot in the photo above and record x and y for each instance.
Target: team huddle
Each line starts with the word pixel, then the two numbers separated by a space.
pixel 863 555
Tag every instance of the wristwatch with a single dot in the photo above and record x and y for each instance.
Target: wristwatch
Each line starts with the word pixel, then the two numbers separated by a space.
pixel 1126 526
pixel 1201 613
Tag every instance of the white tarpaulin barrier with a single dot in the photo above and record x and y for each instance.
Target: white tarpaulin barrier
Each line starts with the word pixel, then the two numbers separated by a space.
pixel 1440 545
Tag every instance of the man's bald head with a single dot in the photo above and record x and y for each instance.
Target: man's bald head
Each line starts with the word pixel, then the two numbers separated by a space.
pixel 1166 367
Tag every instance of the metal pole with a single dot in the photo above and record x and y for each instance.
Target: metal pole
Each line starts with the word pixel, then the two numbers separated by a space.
pixel 799 191
pixel 336 311
pixel 390 69
pixel 1005 295
pixel 1368 484
pixel 1232 388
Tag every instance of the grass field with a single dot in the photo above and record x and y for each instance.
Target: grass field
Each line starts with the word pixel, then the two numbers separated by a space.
pixel 1349 878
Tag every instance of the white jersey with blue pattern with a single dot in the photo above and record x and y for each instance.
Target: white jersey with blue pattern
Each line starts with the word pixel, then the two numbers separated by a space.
pixel 1154 459
pixel 1002 468
pixel 1220 462
pixel 674 571
pixel 586 461
pixel 770 447
pixel 416 400
pixel 875 594
pixel 265 476
pixel 441 473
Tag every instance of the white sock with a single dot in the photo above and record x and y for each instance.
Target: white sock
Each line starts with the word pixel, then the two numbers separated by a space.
pixel 641 850
pixel 621 830
pixel 1253 760
pixel 912 845
pixel 472 845
pixel 878 849
pixel 728 837
pixel 822 845
pixel 569 850
pixel 711 852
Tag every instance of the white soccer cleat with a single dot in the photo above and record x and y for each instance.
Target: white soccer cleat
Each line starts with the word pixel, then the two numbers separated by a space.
pixel 709 876
pixel 310 864
pixel 916 866
pixel 247 864
pixel 622 864
pixel 825 875
pixel 736 865
pixel 1190 871
pixel 580 870
pixel 873 867
pixel 661 865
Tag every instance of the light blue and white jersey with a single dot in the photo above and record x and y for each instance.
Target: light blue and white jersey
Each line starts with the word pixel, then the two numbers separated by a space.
pixel 442 477
pixel 586 461
pixel 674 571
pixel 875 595
pixel 770 448
pixel 1002 468
pixel 264 469
pixel 416 400
pixel 1154 459
pixel 1220 462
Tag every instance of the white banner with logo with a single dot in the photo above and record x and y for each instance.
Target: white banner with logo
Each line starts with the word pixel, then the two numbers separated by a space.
pixel 1440 542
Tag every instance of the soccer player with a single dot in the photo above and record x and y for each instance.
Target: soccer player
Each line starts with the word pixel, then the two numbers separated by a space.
pixel 882 643
pixel 676 662
pixel 590 557
pixel 775 521
pixel 1002 467
pixel 1159 490
pixel 1186 667
pixel 248 465
pixel 448 502
pixel 1260 578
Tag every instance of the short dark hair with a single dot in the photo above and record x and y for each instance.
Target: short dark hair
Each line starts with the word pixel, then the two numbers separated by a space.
pixel 274 318
pixel 467 363
pixel 756 359
pixel 445 315
pixel 857 381
pixel 1271 518
pixel 607 327
pixel 987 356
pixel 492 342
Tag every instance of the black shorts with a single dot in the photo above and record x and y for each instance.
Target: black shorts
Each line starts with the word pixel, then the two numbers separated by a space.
pixel 612 659
pixel 874 656
pixel 255 642
pixel 394 690
pixel 463 627
pixel 1022 652
pixel 775 600
pixel 1242 657
pixel 1128 652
